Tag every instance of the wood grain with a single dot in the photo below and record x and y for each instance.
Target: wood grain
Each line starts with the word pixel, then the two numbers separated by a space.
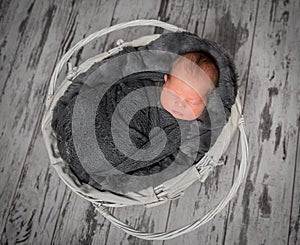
pixel 200 199
pixel 38 199
pixel 30 57
pixel 294 231
pixel 262 37
pixel 261 213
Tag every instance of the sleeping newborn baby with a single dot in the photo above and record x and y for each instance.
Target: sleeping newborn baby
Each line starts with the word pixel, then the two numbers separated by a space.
pixel 187 87
pixel 183 96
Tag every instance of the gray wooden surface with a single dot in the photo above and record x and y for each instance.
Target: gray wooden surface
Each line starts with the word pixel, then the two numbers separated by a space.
pixel 262 36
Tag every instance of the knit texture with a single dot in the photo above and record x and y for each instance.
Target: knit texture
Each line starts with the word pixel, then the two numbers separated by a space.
pixel 147 118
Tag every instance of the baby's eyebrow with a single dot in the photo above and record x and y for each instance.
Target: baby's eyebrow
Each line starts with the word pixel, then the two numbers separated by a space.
pixel 193 98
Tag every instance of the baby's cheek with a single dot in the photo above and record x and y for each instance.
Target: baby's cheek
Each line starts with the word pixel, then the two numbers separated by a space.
pixel 163 103
pixel 164 100
pixel 194 111
pixel 198 110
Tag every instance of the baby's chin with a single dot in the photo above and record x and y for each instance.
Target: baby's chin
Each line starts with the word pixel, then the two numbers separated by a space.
pixel 186 118
pixel 181 116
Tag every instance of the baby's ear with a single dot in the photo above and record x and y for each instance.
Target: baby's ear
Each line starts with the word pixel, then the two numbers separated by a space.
pixel 166 77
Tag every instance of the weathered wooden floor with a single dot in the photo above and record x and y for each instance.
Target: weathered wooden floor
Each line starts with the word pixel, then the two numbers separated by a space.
pixel 262 36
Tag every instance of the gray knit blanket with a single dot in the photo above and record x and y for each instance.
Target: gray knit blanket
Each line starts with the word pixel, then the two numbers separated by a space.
pixel 112 129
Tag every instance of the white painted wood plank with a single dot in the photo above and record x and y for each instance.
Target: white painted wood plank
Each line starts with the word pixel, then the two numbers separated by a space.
pixel 23 78
pixel 131 10
pixel 294 231
pixel 78 222
pixel 261 213
pixel 38 199
pixel 14 17
pixel 225 23
pixel 36 205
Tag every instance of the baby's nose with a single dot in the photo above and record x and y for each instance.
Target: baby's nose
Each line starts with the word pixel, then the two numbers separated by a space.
pixel 180 102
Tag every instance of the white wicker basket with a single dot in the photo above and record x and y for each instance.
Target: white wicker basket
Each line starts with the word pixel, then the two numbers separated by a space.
pixel 152 196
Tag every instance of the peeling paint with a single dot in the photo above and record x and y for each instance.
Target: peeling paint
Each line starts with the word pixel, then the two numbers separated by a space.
pixel 266 117
pixel 285 17
pixel 258 164
pixel 231 40
pixel 3 44
pixel 265 122
pixel 272 77
pixel 86 236
pixel 37 51
pixel 249 188
pixel 277 137
pixel 284 149
pixel 264 203
pixel 273 11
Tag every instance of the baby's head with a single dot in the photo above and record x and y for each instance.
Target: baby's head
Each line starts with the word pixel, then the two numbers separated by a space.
pixel 186 88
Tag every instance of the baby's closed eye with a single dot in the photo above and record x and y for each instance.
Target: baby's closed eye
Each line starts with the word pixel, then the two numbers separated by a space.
pixel 195 101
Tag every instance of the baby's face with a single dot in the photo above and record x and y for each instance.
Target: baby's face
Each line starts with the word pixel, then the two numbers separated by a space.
pixel 184 98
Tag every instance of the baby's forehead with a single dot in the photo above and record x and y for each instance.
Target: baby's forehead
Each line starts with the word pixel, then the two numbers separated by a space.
pixel 187 89
pixel 187 69
pixel 194 78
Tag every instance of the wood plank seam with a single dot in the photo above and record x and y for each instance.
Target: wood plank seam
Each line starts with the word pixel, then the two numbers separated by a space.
pixel 243 106
pixel 293 187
